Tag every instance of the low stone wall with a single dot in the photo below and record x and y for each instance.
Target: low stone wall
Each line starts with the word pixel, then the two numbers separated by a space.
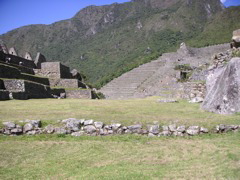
pixel 36 79
pixel 33 90
pixel 81 127
pixel 195 91
pixel 79 94
pixel 14 85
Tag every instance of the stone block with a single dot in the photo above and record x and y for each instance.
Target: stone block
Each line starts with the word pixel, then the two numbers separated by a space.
pixel 55 70
pixel 79 94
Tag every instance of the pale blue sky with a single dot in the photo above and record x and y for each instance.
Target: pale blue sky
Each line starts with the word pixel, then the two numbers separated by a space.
pixel 17 13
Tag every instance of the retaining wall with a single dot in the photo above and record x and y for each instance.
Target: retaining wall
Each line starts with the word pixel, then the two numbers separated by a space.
pixel 79 94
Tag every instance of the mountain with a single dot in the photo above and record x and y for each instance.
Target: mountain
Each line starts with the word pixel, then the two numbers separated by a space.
pixel 103 42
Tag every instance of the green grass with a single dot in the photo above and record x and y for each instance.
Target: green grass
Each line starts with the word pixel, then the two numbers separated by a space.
pixel 213 156
pixel 120 157
pixel 123 111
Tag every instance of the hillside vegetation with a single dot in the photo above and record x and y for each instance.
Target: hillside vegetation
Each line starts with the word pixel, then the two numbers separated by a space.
pixel 103 42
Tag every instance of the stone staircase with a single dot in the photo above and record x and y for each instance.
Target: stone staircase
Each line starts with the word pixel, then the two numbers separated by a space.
pixel 126 85
pixel 158 78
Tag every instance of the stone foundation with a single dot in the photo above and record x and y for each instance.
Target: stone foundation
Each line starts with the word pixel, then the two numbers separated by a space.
pixel 195 91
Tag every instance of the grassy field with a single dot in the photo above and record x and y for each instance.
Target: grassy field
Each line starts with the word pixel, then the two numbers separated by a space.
pixel 123 111
pixel 118 157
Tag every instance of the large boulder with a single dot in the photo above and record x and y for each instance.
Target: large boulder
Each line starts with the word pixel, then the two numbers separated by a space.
pixel 223 89
pixel 236 39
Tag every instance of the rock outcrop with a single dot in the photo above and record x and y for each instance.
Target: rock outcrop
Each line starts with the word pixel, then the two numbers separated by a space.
pixel 236 39
pixel 223 89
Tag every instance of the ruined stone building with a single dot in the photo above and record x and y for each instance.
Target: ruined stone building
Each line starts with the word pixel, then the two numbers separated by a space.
pixel 27 78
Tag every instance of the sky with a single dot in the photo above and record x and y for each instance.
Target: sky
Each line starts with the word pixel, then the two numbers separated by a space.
pixel 17 13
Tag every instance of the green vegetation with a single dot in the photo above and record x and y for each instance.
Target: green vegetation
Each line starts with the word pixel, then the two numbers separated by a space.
pixel 236 53
pixel 123 111
pixel 213 156
pixel 120 157
pixel 183 67
pixel 122 45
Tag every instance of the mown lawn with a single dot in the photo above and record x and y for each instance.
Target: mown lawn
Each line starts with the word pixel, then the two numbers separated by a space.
pixel 123 111
pixel 118 157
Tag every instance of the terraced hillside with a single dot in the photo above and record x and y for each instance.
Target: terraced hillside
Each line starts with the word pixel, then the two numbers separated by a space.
pixel 159 77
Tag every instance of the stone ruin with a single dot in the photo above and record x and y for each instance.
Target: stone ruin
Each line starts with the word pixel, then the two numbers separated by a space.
pixel 27 78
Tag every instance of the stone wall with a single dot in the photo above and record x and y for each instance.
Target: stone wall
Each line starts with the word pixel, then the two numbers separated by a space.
pixel 41 80
pixel 33 90
pixel 18 61
pixel 67 83
pixel 82 127
pixel 79 94
pixel 54 70
pixel 195 91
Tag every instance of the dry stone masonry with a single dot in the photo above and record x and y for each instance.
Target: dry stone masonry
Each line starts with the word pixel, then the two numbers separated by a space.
pixel 82 127
pixel 25 78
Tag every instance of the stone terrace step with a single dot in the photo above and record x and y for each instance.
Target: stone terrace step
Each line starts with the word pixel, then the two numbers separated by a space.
pixel 22 69
pixel 126 85
pixel 37 79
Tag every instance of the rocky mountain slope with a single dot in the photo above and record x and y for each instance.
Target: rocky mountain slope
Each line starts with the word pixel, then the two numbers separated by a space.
pixel 160 77
pixel 105 41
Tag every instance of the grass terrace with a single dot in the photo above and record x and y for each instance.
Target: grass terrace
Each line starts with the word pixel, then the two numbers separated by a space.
pixel 211 156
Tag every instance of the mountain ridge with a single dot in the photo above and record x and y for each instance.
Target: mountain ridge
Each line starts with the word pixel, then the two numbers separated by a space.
pixel 104 41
